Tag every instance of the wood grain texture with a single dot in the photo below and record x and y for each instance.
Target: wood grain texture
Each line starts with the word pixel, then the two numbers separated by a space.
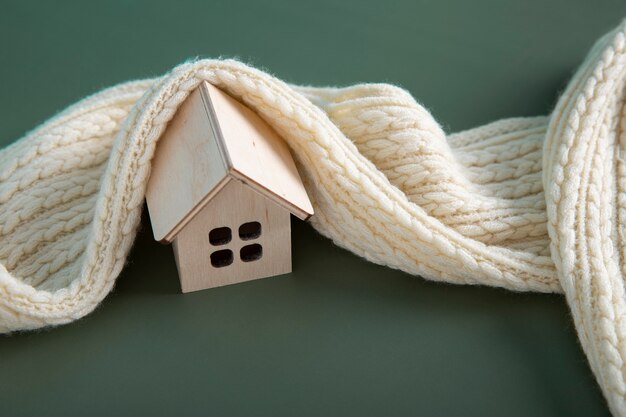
pixel 187 170
pixel 256 153
pixel 235 205
pixel 211 137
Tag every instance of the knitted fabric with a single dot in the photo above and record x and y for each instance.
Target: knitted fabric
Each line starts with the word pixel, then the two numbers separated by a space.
pixel 528 204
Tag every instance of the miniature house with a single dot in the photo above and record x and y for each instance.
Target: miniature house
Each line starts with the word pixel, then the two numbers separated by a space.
pixel 222 188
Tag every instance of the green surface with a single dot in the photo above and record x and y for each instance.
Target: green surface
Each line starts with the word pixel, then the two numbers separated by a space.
pixel 339 336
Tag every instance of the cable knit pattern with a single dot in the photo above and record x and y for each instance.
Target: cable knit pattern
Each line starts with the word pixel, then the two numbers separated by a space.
pixel 528 204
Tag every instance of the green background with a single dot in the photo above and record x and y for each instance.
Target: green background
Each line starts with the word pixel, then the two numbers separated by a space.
pixel 338 336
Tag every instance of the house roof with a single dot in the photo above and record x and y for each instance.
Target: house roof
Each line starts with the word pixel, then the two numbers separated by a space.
pixel 214 139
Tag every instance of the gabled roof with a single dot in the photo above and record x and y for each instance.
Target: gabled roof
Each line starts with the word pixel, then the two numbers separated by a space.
pixel 211 140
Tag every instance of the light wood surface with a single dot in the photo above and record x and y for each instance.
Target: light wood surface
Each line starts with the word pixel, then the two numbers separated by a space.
pixel 187 170
pixel 257 154
pixel 235 205
pixel 212 138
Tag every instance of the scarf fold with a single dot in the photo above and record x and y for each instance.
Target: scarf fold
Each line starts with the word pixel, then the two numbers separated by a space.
pixel 528 204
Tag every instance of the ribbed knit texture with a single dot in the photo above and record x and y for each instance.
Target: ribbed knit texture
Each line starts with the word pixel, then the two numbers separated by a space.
pixel 526 204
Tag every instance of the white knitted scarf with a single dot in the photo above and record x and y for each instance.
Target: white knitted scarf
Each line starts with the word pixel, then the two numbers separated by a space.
pixel 526 204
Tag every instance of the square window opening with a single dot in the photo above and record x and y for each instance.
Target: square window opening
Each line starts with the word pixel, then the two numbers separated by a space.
pixel 250 230
pixel 220 236
pixel 222 258
pixel 251 253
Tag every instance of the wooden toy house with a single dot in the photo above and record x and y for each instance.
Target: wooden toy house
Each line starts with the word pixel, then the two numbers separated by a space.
pixel 222 188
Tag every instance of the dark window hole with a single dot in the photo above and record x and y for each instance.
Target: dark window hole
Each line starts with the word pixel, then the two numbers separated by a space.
pixel 250 230
pixel 220 236
pixel 251 253
pixel 222 258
